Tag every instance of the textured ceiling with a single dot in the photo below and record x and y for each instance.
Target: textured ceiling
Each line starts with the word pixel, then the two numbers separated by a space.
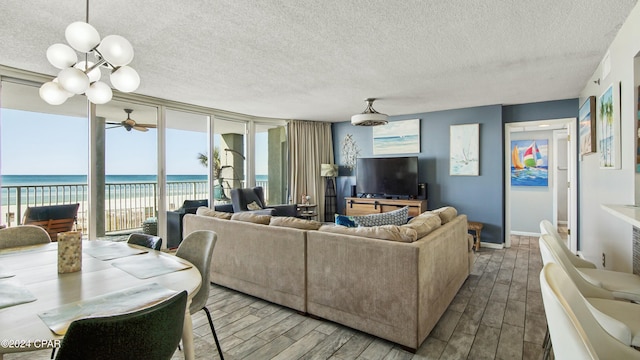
pixel 318 60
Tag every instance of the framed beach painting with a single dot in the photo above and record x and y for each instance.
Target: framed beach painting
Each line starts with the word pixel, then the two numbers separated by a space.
pixel 587 119
pixel 608 131
pixel 464 150
pixel 530 162
pixel 397 137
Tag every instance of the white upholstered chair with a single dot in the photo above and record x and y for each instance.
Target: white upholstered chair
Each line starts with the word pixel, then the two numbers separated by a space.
pixel 547 228
pixel 621 319
pixel 575 333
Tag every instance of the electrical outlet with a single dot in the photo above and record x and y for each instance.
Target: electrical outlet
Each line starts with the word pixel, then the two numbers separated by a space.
pixel 603 260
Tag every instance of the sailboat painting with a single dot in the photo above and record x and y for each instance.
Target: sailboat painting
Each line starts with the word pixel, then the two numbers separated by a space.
pixel 529 162
pixel 464 152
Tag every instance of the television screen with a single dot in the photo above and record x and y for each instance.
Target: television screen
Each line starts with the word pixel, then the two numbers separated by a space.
pixel 393 176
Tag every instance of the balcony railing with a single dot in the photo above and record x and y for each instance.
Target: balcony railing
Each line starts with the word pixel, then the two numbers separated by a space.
pixel 126 205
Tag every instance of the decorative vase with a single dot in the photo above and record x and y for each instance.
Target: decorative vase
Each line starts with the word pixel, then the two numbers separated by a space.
pixel 69 252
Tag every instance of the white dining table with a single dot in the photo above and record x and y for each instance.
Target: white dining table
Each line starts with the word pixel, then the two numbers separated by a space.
pixel 35 268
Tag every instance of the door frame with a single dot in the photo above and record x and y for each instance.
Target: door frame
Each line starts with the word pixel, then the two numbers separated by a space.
pixel 571 124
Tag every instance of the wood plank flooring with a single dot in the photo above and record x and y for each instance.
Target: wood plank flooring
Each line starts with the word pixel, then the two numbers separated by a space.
pixel 497 314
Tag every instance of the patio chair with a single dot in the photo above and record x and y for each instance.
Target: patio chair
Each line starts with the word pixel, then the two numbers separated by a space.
pixel 53 218
pixel 146 240
pixel 150 333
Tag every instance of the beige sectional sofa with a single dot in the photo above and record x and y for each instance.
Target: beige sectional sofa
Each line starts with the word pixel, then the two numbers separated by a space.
pixel 396 290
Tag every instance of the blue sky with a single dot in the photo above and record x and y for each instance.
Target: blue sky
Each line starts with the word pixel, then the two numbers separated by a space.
pixel 46 144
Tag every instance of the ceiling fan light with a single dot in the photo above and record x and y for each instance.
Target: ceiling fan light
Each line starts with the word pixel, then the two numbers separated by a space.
pixel 125 79
pixel 61 56
pixel 82 36
pixel 369 117
pixel 73 80
pixel 99 93
pixel 52 93
pixel 94 75
pixel 116 50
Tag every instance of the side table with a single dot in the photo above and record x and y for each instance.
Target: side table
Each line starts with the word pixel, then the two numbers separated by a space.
pixel 476 227
pixel 307 211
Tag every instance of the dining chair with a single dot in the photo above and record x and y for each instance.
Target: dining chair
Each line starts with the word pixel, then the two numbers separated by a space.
pixel 621 319
pixel 23 235
pixel 547 228
pixel 197 248
pixel 620 284
pixel 146 240
pixel 150 333
pixel 574 331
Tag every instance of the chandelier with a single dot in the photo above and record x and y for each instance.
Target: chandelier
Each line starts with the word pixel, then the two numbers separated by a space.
pixel 114 53
pixel 369 117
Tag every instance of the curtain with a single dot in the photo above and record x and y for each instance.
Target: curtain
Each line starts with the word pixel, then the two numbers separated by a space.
pixel 310 144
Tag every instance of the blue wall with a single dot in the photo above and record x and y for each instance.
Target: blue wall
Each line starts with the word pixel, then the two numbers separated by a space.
pixel 481 198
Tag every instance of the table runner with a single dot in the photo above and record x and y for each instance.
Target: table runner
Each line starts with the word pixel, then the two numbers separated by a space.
pixel 144 267
pixel 118 302
pixel 12 292
pixel 4 273
pixel 113 251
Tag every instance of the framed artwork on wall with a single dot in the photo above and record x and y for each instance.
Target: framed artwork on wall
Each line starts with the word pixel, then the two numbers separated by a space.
pixel 608 131
pixel 530 162
pixel 464 150
pixel 397 137
pixel 587 123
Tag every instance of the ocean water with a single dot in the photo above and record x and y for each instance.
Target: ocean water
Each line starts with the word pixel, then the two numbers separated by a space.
pixel 22 180
pixel 530 177
pixel 396 144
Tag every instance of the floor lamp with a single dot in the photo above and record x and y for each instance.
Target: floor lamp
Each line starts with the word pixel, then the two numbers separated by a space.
pixel 329 171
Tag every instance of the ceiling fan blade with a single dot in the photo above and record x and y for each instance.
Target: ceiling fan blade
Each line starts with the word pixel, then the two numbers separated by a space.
pixel 149 126
pixel 113 127
pixel 140 128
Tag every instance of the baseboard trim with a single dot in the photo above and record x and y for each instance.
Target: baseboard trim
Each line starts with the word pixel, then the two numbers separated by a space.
pixel 491 245
pixel 524 233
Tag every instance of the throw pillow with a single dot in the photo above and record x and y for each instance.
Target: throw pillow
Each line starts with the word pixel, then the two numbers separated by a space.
pixel 251 217
pixel 395 217
pixel 293 222
pixel 205 211
pixel 345 220
pixel 446 213
pixel 384 232
pixel 253 206
pixel 424 224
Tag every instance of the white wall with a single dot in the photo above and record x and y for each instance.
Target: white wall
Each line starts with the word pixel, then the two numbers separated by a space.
pixel 531 204
pixel 599 231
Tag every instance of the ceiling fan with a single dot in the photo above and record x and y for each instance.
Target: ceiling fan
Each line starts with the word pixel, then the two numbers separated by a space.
pixel 129 123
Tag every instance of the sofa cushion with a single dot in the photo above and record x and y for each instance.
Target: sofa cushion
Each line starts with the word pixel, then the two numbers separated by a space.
pixel 248 216
pixel 446 213
pixel 424 223
pixel 395 217
pixel 253 206
pixel 345 220
pixel 205 211
pixel 293 222
pixel 383 232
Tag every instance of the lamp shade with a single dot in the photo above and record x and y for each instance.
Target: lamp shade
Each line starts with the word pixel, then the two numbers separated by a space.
pixel 53 93
pixel 328 170
pixel 116 50
pixel 73 80
pixel 125 79
pixel 94 75
pixel 61 56
pixel 99 93
pixel 82 36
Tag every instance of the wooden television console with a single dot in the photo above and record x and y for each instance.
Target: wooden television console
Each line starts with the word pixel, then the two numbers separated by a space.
pixel 365 206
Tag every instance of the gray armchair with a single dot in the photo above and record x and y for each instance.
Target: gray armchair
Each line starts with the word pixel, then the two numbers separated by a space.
pixel 241 198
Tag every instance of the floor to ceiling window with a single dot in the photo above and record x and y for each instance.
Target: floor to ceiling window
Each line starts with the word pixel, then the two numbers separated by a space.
pixel 44 157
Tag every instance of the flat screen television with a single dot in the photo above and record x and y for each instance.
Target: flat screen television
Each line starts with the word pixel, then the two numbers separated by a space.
pixel 388 176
